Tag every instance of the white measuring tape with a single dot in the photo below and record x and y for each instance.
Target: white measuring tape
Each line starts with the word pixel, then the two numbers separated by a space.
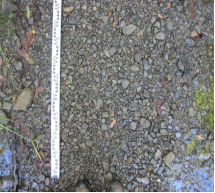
pixel 55 90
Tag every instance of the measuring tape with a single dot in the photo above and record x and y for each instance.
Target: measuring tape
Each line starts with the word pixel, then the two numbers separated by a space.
pixel 55 90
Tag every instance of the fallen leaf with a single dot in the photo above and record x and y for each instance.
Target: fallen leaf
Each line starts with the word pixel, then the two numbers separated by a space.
pixel 200 137
pixel 42 155
pixel 193 34
pixel 91 62
pixel 66 82
pixel 27 57
pixel 14 97
pixel 38 89
pixel 33 31
pixel 199 36
pixel 21 142
pixel 192 6
pixel 109 15
pixel 0 61
pixel 47 165
pixel 1 80
pixel 159 15
pixel 42 10
pixel 36 83
pixel 193 15
pixel 112 124
pixel 84 7
pixel 68 9
pixel 30 38
pixel 18 44
pixel 28 12
pixel 169 5
pixel 114 23
pixel 159 108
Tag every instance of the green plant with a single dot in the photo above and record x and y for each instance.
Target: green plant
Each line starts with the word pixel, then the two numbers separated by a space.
pixel 8 65
pixel 7 23
pixel 34 142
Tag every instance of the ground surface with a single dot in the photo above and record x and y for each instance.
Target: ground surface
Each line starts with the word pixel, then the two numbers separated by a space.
pixel 155 78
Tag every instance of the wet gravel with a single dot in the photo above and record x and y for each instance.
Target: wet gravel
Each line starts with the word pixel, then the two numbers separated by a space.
pixel 138 62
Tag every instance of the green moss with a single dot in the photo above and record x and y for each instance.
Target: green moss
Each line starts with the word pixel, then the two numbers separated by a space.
pixel 205 102
pixel 192 145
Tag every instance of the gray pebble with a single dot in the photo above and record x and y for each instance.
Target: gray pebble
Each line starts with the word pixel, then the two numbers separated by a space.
pixel 179 8
pixel 163 132
pixel 104 127
pixel 107 53
pixel 168 159
pixel 134 68
pixel 112 169
pixel 18 66
pixel 194 131
pixel 195 81
pixel 143 180
pixel 3 114
pixel 129 29
pixel 145 123
pixel 7 105
pixel 157 154
pixel 104 18
pixel 34 185
pixel 190 42
pixel 146 94
pixel 89 143
pixel 133 125
pixel 105 114
pixel 169 24
pixel 146 64
pixel 137 57
pixel 84 128
pixel 160 36
pixel 124 147
pixel 112 51
pixel 125 83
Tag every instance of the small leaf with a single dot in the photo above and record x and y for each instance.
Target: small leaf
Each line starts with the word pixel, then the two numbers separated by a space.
pixel 193 15
pixel 38 89
pixel 112 124
pixel 68 9
pixel 199 36
pixel 114 23
pixel 159 15
pixel 84 7
pixel 27 57
pixel 42 10
pixel 200 137
pixel 14 97
pixel 109 15
pixel 192 6
pixel 159 108
pixel 169 5
pixel 0 62
pixel 33 31
pixel 28 12
pixel 91 62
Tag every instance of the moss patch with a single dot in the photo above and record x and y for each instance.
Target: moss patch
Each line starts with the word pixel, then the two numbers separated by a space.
pixel 192 145
pixel 205 102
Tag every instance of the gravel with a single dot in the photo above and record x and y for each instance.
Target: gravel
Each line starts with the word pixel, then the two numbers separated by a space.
pixel 120 61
